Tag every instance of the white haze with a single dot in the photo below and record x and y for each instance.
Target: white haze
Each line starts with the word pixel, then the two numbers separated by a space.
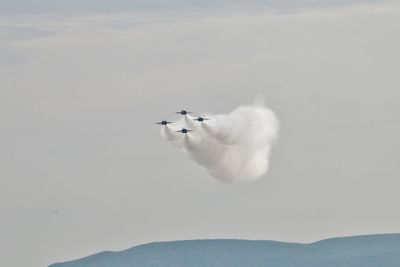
pixel 233 147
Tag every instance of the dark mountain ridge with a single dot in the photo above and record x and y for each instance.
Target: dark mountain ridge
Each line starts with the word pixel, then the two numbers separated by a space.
pixel 357 251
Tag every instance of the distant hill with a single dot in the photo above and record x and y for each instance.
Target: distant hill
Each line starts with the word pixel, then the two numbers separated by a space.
pixel 357 251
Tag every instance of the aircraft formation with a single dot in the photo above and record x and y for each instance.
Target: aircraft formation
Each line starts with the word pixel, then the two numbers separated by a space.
pixel 183 113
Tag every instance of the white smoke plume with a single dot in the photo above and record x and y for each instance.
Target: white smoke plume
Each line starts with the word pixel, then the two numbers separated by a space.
pixel 234 147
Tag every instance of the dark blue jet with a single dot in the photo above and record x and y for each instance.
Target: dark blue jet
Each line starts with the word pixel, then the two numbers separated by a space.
pixel 164 122
pixel 184 131
pixel 201 119
pixel 183 112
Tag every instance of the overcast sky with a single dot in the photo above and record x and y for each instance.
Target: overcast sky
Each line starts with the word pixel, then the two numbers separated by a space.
pixel 83 169
pixel 106 6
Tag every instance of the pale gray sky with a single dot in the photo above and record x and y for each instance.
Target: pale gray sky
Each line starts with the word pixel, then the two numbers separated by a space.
pixel 96 6
pixel 83 169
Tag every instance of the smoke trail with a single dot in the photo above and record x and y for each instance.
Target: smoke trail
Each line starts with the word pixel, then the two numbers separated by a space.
pixel 234 147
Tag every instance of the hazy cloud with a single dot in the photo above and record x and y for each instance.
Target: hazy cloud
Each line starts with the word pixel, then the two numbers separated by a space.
pixel 22 32
pixel 104 6
pixel 8 55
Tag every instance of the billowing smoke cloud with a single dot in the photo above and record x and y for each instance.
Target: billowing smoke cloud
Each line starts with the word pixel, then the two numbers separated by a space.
pixel 234 147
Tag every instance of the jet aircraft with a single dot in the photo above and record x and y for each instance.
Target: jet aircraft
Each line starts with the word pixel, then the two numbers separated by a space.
pixel 184 112
pixel 201 119
pixel 184 131
pixel 164 122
